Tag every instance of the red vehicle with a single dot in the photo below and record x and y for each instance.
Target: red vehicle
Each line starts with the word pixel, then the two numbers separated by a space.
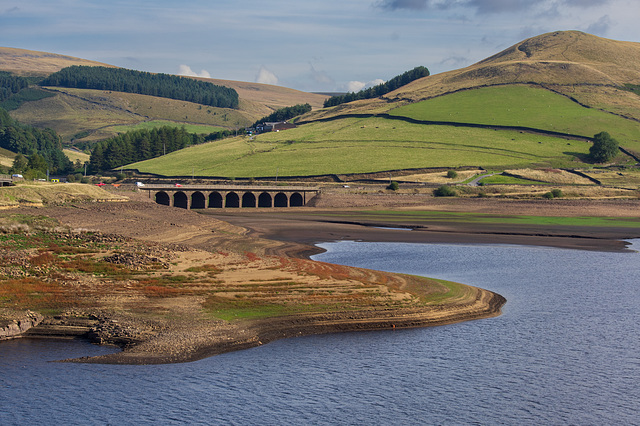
pixel 177 184
pixel 100 184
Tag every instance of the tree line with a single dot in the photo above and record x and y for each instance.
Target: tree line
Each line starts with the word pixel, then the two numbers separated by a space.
pixel 144 83
pixel 42 147
pixel 284 114
pixel 381 89
pixel 144 144
pixel 11 84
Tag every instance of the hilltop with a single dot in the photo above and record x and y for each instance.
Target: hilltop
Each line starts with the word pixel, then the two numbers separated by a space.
pixel 88 115
pixel 32 63
pixel 590 69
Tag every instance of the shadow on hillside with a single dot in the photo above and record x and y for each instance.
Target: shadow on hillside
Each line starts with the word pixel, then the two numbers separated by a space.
pixel 584 157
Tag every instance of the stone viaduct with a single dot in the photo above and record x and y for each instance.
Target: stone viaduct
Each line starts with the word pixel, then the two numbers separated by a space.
pixel 229 196
pixel 6 180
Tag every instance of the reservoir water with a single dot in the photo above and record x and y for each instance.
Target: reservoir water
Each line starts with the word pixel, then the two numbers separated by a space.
pixel 565 351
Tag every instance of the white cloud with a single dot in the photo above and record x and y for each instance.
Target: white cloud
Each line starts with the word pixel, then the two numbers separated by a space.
pixel 266 77
pixel 187 71
pixel 356 86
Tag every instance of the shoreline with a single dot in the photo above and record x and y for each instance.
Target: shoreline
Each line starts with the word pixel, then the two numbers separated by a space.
pixel 300 235
pixel 249 334
pixel 261 332
pixel 284 234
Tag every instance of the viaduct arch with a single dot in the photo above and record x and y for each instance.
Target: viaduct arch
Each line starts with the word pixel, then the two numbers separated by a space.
pixel 227 196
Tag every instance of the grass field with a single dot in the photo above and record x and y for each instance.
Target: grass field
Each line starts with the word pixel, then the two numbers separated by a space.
pixel 6 157
pixel 366 145
pixel 508 180
pixel 524 106
pixel 45 192
pixel 75 155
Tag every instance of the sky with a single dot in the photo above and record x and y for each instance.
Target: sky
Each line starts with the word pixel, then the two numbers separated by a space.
pixel 313 46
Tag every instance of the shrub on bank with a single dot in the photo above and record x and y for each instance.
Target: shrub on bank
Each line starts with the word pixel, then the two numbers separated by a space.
pixel 554 193
pixel 445 191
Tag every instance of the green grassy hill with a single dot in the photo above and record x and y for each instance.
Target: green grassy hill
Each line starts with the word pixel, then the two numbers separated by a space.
pixel 523 106
pixel 534 105
pixel 366 145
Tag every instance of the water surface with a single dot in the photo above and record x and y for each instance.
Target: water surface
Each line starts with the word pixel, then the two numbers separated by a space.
pixel 565 350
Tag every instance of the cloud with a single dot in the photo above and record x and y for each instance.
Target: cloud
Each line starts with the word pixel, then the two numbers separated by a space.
pixel 403 4
pixel 266 77
pixel 601 26
pixel 321 77
pixel 485 6
pixel 500 6
pixel 356 86
pixel 585 3
pixel 187 71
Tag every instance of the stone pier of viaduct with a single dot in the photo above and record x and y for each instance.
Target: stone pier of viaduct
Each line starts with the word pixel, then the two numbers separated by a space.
pixel 230 196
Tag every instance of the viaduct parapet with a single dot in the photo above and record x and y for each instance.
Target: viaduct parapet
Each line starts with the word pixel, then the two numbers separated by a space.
pixel 230 196
pixel 6 180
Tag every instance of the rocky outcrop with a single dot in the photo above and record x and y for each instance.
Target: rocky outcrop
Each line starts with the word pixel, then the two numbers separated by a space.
pixel 16 327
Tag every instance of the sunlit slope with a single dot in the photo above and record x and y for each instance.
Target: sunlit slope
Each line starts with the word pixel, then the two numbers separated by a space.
pixel 590 69
pixel 6 157
pixel 96 114
pixel 269 96
pixel 523 106
pixel 30 62
pixel 364 145
pixel 90 114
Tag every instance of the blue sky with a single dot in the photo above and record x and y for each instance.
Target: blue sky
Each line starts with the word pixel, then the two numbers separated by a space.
pixel 325 45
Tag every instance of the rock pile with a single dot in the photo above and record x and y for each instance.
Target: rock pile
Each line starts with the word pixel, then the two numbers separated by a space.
pixel 137 261
pixel 112 332
pixel 16 327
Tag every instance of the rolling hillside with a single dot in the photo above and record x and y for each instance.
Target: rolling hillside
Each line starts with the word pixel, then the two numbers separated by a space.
pixel 536 104
pixel 89 115
pixel 589 69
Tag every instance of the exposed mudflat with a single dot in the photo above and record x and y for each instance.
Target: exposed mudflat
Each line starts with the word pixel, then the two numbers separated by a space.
pixel 344 217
